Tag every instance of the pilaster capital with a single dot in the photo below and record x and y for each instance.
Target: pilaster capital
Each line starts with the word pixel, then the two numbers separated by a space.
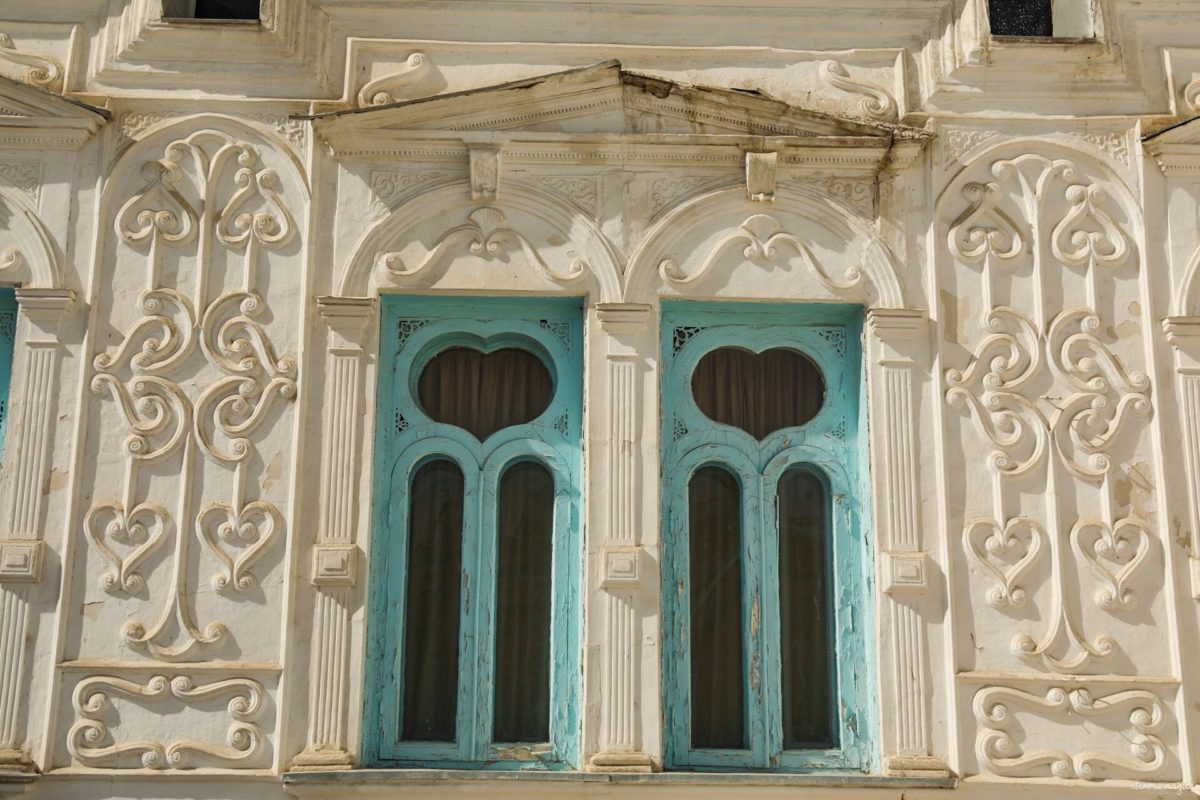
pixel 617 319
pixel 898 330
pixel 46 308
pixel 896 325
pixel 1183 334
pixel 347 317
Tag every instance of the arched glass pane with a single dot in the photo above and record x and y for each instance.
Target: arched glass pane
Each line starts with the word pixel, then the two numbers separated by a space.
pixel 758 392
pixel 714 549
pixel 484 392
pixel 806 612
pixel 525 534
pixel 435 533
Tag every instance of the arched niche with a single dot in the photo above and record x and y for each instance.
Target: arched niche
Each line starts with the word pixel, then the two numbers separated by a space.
pixel 528 240
pixel 803 246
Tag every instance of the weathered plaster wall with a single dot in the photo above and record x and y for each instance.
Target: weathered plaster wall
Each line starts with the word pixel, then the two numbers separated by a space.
pixel 186 475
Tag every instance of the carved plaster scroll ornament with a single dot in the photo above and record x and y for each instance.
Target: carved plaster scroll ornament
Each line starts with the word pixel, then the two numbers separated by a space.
pixel 958 142
pixel 25 176
pixel 144 376
pixel 39 69
pixel 1113 554
pixel 874 102
pixel 1006 551
pixel 1000 753
pixel 763 241
pixel 1075 242
pixel 10 259
pixel 1009 220
pixel 581 191
pixel 391 187
pixel 389 88
pixel 1005 393
pixel 1097 405
pixel 486 235
pixel 667 192
pixel 984 229
pixel 125 540
pixel 1191 96
pixel 90 740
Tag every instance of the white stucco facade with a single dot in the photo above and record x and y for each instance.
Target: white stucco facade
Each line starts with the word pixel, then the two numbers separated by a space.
pixel 200 218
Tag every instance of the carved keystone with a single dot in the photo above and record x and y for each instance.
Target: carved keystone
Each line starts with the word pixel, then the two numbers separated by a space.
pixel 761 169
pixel 485 172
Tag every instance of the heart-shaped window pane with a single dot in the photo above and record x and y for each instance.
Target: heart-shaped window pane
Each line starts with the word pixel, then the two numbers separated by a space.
pixel 484 392
pixel 758 392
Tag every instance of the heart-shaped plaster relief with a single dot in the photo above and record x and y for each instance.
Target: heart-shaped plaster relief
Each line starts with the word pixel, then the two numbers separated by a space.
pixel 484 392
pixel 759 393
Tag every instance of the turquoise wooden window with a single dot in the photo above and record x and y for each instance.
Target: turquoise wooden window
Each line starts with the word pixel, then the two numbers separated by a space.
pixel 474 619
pixel 766 565
pixel 8 332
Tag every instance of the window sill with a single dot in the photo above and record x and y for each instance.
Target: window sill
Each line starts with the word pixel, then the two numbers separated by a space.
pixel 525 784
pixel 1005 39
pixel 203 22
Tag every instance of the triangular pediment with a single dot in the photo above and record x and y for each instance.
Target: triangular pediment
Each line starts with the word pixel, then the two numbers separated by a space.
pixel 35 118
pixel 603 99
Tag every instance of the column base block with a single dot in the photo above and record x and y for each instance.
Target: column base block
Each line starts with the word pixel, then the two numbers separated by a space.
pixel 620 762
pixel 16 761
pixel 916 767
pixel 320 760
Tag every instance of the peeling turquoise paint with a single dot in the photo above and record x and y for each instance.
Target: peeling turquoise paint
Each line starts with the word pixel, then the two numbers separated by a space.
pixel 414 329
pixel 8 333
pixel 833 446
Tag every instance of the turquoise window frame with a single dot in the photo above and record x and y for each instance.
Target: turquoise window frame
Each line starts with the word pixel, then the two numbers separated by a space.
pixel 8 337
pixel 833 446
pixel 413 329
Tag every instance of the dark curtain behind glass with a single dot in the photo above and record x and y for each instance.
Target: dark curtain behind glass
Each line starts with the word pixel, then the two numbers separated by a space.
pixel 758 392
pixel 806 612
pixel 483 393
pixel 431 623
pixel 714 549
pixel 525 530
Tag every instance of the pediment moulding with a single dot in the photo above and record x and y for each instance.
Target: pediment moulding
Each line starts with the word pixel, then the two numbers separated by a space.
pixel 804 184
pixel 606 114
pixel 864 83
pixel 32 118
pixel 1176 148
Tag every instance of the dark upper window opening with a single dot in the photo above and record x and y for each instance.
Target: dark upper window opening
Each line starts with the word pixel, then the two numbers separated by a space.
pixel 1021 18
pixel 211 9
